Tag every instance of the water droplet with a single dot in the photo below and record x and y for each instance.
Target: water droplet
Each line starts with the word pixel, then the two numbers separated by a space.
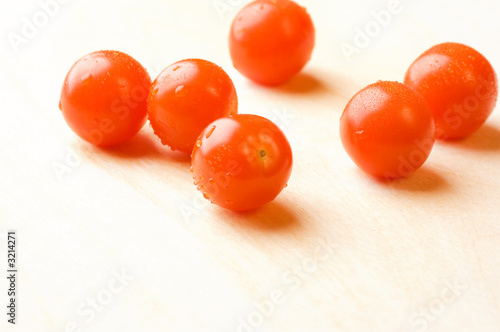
pixel 177 67
pixel 198 143
pixel 209 133
pixel 211 181
pixel 86 79
pixel 60 106
pixel 155 91
pixel 206 195
pixel 191 169
pixel 286 185
pixel 180 91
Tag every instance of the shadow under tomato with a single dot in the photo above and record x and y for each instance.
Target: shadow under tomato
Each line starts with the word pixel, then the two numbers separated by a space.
pixel 147 146
pixel 486 138
pixel 423 180
pixel 272 217
pixel 303 83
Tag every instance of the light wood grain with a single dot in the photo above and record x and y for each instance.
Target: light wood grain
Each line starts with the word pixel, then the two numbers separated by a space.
pixel 346 252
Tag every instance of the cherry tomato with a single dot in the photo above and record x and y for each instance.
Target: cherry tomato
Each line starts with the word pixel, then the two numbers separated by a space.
pixel 103 98
pixel 388 130
pixel 459 85
pixel 241 162
pixel 185 98
pixel 271 40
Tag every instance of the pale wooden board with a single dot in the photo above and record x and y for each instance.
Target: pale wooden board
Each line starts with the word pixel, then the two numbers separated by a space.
pixel 349 253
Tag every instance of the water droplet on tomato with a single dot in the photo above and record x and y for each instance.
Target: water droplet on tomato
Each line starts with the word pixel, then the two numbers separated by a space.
pixel 206 195
pixel 154 92
pixel 86 79
pixel 191 168
pixel 60 106
pixel 179 91
pixel 198 143
pixel 209 133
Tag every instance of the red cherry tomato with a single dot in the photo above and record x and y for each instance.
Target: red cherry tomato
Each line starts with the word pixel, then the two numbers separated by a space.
pixel 185 98
pixel 271 40
pixel 103 98
pixel 387 129
pixel 459 85
pixel 241 162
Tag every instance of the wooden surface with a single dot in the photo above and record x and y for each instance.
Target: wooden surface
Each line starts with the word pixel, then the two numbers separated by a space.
pixel 337 251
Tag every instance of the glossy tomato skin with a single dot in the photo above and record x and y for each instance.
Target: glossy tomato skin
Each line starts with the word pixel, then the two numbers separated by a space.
pixel 388 130
pixel 103 98
pixel 241 162
pixel 271 40
pixel 460 86
pixel 186 97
